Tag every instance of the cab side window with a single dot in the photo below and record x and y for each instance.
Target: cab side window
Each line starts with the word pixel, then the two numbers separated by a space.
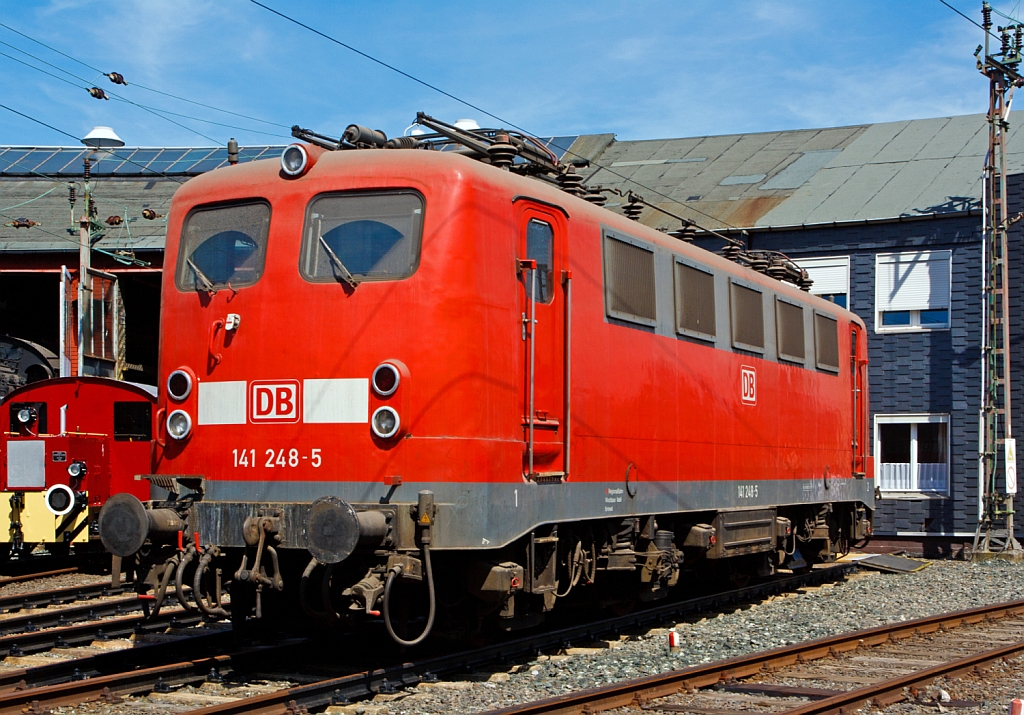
pixel 540 246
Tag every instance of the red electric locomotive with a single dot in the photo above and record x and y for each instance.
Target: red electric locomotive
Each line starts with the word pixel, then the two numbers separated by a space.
pixel 66 445
pixel 448 367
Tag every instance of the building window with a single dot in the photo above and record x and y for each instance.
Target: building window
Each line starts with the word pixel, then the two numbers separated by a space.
pixel 912 453
pixel 831 278
pixel 912 291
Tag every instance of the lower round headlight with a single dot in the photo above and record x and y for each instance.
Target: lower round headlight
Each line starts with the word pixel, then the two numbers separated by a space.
pixel 77 469
pixel 385 422
pixel 179 424
pixel 60 499
pixel 27 415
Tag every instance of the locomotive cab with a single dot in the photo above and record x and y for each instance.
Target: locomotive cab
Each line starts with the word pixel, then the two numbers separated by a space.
pixel 67 445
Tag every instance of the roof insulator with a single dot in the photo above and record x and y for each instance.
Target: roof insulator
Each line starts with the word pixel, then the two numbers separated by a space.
pixel 97 93
pixel 571 182
pixel 232 151
pixel 731 251
pixel 502 152
pixel 402 143
pixel 116 78
pixel 633 210
pixel 594 196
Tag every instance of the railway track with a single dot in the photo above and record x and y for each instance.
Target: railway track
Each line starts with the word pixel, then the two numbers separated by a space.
pixel 877 666
pixel 31 576
pixel 56 596
pixel 99 678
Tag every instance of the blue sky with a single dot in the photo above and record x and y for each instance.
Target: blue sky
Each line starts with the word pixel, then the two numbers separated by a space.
pixel 641 70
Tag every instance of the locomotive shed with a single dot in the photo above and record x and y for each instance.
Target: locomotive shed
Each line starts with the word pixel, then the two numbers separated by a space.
pixel 834 199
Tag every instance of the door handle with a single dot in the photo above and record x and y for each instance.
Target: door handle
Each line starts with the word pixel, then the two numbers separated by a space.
pixel 214 357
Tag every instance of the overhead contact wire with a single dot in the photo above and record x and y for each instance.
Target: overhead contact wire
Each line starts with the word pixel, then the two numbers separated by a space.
pixel 141 86
pixel 478 108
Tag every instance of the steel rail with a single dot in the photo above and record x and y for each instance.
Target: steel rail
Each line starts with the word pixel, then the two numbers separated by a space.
pixel 110 662
pixel 631 692
pixel 21 578
pixel 111 687
pixel 55 617
pixel 368 683
pixel 84 634
pixel 56 596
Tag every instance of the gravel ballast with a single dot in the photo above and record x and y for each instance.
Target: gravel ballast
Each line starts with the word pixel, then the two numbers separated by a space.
pixel 870 599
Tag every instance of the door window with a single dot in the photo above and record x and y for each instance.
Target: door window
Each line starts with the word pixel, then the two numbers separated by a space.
pixel 540 243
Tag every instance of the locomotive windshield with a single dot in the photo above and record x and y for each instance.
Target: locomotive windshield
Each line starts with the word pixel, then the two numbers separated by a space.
pixel 223 246
pixel 362 237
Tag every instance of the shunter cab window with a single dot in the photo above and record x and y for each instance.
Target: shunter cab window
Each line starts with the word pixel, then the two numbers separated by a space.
pixel 133 421
pixel 365 237
pixel 223 246
pixel 540 239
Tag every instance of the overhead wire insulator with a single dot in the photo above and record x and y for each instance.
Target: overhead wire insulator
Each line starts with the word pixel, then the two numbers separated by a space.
pixel 986 16
pixel 22 223
pixel 114 220
pixel 97 93
pixel 1004 38
pixel 86 168
pixel 116 78
pixel 92 207
pixel 72 194
pixel 151 215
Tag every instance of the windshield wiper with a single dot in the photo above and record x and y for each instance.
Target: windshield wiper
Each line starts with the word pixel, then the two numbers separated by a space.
pixel 201 276
pixel 345 274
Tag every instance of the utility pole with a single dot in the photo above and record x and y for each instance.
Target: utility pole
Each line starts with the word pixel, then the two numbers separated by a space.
pixel 84 264
pixel 994 535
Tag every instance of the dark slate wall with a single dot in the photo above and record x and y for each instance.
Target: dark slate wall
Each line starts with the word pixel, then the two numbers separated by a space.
pixel 929 371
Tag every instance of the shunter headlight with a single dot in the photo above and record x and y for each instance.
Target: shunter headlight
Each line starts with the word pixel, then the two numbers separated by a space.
pixel 385 379
pixel 77 469
pixel 60 499
pixel 294 160
pixel 179 424
pixel 385 422
pixel 179 385
pixel 27 415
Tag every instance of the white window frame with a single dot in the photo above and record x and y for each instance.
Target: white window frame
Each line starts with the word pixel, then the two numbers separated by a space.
pixel 914 419
pixel 825 262
pixel 883 304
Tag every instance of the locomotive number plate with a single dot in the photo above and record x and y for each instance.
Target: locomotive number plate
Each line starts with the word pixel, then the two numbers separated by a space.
pixel 275 458
pixel 59 456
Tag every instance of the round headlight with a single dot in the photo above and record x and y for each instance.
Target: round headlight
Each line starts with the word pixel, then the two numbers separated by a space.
pixel 294 159
pixel 179 424
pixel 179 385
pixel 385 379
pixel 77 469
pixel 60 499
pixel 384 422
pixel 27 415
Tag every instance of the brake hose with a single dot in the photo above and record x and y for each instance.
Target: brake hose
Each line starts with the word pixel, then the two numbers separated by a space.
pixel 433 605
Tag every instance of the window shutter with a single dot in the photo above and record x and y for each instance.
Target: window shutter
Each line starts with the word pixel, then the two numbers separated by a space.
pixel 830 275
pixel 912 281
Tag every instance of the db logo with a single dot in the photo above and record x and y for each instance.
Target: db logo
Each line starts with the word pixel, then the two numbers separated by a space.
pixel 274 401
pixel 748 389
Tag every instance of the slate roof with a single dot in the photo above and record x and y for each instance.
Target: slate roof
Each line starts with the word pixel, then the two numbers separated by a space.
pixel 808 176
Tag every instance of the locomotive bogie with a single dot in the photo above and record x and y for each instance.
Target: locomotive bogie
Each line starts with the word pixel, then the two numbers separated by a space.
pixel 390 355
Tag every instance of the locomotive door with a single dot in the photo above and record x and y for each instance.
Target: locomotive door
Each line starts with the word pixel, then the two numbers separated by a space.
pixel 544 296
pixel 858 370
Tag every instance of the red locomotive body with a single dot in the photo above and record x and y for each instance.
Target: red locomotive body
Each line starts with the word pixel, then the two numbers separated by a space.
pixel 393 353
pixel 67 445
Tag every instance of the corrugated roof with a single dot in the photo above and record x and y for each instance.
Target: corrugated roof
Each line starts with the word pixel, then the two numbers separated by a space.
pixel 874 171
